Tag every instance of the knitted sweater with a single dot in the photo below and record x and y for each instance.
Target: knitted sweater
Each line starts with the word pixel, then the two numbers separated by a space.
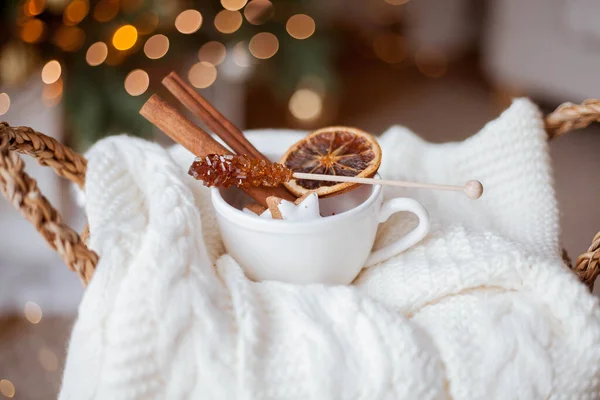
pixel 483 308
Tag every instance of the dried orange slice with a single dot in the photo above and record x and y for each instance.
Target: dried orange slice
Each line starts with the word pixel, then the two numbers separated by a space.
pixel 336 150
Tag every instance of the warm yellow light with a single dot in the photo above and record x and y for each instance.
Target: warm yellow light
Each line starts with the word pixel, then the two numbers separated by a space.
pixel 75 12
pixel 96 54
pixel 306 104
pixel 137 82
pixel 228 21
pixel 188 21
pixel 4 103
pixel 69 38
pixel 125 37
pixel 48 359
pixel 202 74
pixel 7 388
pixel 32 30
pixel 263 45
pixel 396 2
pixel 390 47
pixel 106 10
pixel 431 62
pixel 241 56
pixel 52 93
pixel 300 26
pixel 233 5
pixel 35 7
pixel 33 312
pixel 212 52
pixel 51 72
pixel 258 12
pixel 146 23
pixel 156 47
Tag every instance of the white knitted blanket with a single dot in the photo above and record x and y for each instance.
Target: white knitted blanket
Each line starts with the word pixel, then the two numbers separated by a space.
pixel 483 308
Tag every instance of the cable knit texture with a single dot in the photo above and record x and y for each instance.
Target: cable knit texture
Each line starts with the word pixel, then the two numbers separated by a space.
pixel 483 308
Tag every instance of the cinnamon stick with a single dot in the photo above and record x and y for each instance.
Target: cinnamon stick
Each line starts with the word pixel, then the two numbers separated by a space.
pixel 216 121
pixel 196 140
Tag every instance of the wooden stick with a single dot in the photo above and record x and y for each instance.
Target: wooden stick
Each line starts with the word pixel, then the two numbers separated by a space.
pixel 216 121
pixel 473 189
pixel 220 125
pixel 196 140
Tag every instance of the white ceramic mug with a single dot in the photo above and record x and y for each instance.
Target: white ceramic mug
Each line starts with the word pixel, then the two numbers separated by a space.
pixel 330 250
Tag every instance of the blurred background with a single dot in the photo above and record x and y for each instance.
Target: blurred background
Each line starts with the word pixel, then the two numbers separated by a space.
pixel 79 70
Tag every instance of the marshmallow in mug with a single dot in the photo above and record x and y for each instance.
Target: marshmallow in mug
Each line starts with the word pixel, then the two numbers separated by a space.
pixel 307 210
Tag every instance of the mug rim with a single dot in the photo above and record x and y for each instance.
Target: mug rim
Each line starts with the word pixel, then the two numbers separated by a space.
pixel 239 217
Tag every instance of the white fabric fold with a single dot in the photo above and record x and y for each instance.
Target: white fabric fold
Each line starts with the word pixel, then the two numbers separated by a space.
pixel 483 308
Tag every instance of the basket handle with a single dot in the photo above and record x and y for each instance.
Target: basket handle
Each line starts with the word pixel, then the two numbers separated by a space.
pixel 566 118
pixel 22 191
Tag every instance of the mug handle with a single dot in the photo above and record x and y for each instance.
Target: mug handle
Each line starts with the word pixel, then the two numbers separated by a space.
pixel 413 237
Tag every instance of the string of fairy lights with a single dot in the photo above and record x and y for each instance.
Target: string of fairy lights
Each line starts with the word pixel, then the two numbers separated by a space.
pixel 202 74
pixel 126 38
pixel 305 103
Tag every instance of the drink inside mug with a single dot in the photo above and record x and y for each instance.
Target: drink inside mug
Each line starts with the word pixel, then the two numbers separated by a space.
pixel 328 206
pixel 329 250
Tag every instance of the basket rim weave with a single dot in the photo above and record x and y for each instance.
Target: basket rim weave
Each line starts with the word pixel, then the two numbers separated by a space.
pixel 22 191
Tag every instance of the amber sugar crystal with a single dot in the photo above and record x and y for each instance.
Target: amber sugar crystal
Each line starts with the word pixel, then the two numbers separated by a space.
pixel 242 171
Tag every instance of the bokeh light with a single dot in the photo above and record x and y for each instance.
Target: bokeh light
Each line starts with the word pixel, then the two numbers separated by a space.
pixel 56 6
pixel 241 56
pixel 51 72
pixel 137 82
pixel 396 2
pixel 213 52
pixel 34 7
pixel 228 21
pixel 233 5
pixel 4 103
pixel 306 104
pixel 69 38
pixel 202 74
pixel 33 312
pixel 32 30
pixel 75 12
pixel 106 10
pixel 390 47
pixel 96 54
pixel 48 359
pixel 431 61
pixel 7 389
pixel 263 45
pixel 257 12
pixel 125 37
pixel 52 94
pixel 188 21
pixel 156 47
pixel 300 26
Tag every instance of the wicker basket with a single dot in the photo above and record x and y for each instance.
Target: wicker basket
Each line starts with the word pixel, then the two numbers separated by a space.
pixel 22 191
